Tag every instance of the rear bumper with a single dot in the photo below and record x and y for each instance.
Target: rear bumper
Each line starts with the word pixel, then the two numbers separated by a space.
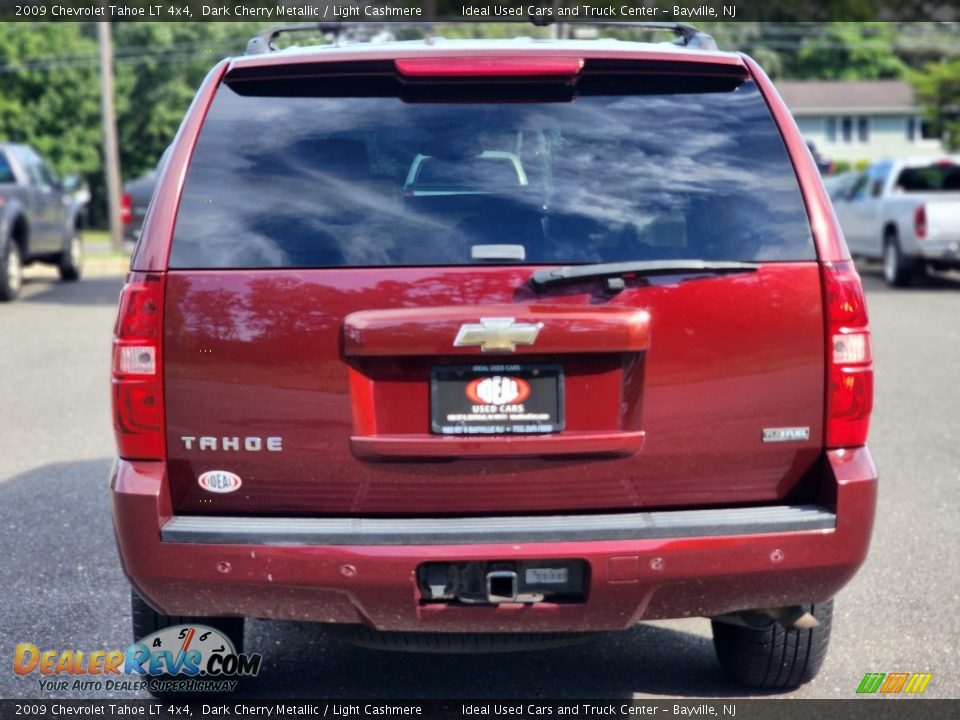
pixel 942 251
pixel 642 565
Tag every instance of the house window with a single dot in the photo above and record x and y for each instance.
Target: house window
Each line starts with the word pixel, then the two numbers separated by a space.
pixel 919 129
pixel 928 131
pixel 846 125
pixel 851 129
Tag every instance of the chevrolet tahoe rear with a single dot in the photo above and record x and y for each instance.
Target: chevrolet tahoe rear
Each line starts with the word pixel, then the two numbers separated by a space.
pixel 494 344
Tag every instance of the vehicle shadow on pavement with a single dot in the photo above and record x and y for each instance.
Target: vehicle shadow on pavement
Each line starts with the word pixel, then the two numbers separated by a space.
pixel 299 660
pixel 61 585
pixel 104 290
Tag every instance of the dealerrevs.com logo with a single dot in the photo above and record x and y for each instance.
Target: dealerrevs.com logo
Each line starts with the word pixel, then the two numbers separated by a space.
pixel 182 658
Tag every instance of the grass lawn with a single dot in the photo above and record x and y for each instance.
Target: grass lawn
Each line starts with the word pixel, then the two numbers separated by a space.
pixel 97 245
pixel 97 236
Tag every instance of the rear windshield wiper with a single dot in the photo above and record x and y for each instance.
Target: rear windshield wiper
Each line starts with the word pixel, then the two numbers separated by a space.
pixel 614 273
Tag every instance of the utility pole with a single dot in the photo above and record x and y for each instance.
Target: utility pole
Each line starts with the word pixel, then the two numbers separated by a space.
pixel 558 30
pixel 111 154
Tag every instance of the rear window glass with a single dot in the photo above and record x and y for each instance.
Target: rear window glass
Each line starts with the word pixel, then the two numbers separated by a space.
pixel 314 181
pixel 943 177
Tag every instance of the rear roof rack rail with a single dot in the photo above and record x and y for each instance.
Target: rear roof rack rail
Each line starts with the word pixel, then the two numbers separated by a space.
pixel 687 35
pixel 262 42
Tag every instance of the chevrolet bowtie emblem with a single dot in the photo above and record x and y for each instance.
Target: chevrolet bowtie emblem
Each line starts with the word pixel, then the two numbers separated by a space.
pixel 497 334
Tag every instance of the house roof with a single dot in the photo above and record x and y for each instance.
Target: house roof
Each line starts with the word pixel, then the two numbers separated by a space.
pixel 855 97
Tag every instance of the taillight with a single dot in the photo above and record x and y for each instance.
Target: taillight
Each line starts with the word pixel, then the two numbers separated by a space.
pixel 136 380
pixel 126 208
pixel 850 358
pixel 920 221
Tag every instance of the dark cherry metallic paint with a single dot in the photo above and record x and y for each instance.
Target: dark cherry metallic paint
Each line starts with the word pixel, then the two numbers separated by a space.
pixel 265 353
pixel 713 348
pixel 690 576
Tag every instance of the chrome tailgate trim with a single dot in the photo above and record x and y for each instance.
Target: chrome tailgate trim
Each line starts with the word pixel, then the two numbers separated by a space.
pixel 460 531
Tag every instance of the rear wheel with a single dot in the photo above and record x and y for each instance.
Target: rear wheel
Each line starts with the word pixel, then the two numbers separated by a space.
pixel 11 272
pixel 70 264
pixel 898 269
pixel 774 657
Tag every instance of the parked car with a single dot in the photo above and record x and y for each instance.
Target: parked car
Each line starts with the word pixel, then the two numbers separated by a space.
pixel 133 206
pixel 135 200
pixel 40 219
pixel 634 386
pixel 907 213
pixel 824 165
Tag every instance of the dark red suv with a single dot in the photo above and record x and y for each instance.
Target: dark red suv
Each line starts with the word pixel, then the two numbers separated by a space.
pixel 470 344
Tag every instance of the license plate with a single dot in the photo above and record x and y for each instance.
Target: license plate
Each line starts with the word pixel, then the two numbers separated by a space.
pixel 496 399
pixel 547 576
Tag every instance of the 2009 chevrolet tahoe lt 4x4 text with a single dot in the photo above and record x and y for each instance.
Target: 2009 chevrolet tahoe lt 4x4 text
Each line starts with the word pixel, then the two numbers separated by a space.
pixel 495 342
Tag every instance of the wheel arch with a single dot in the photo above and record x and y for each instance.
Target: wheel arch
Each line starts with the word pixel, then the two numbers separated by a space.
pixel 72 224
pixel 890 228
pixel 18 231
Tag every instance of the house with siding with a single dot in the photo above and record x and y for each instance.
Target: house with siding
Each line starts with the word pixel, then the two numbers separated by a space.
pixel 860 120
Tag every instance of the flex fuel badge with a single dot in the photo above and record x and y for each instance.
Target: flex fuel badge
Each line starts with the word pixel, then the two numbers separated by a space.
pixel 219 481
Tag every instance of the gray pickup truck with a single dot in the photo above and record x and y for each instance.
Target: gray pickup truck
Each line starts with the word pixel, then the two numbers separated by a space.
pixel 904 212
pixel 40 219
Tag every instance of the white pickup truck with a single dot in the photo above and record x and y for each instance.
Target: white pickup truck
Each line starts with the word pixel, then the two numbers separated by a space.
pixel 905 212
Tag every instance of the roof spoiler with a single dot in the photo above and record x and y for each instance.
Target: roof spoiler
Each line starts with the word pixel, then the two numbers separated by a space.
pixel 687 35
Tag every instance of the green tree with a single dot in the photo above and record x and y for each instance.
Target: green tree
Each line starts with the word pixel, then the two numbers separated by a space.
pixel 849 51
pixel 158 68
pixel 938 89
pixel 51 90
pixel 50 97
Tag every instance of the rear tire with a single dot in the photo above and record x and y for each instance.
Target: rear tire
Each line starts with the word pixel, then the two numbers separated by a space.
pixel 70 263
pixel 774 657
pixel 11 272
pixel 146 621
pixel 898 269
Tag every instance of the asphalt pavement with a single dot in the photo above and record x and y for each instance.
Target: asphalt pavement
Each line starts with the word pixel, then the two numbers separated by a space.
pixel 61 586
